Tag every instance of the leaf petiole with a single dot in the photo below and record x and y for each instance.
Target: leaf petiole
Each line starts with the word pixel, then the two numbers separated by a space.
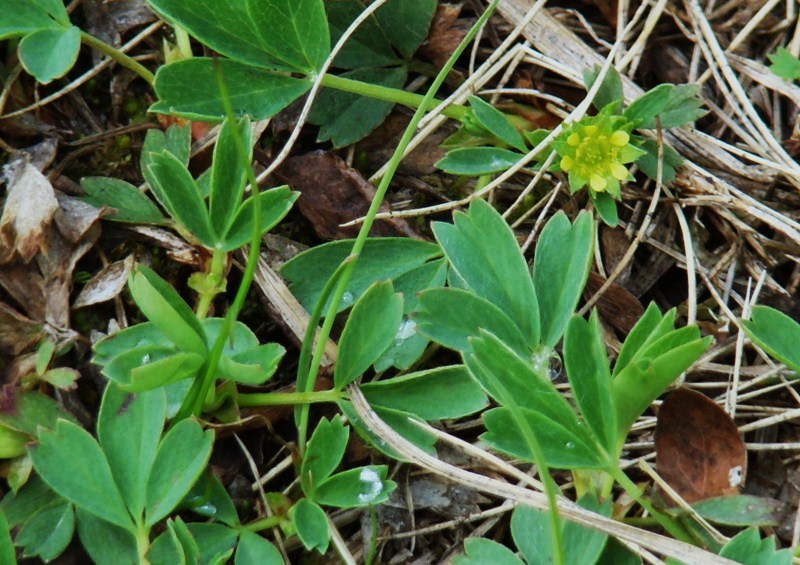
pixel 398 96
pixel 118 56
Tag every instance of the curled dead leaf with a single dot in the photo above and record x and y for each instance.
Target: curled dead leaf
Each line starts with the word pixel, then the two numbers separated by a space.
pixel 699 452
pixel 29 209
pixel 106 284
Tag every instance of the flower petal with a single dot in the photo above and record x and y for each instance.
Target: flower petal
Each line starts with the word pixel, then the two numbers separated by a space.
pixel 620 138
pixel 567 162
pixel 618 171
pixel 597 182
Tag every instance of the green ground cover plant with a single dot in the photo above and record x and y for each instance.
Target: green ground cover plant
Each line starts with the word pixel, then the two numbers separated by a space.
pixel 140 489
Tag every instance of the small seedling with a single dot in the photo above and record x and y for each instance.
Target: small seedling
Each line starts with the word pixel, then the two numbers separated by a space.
pixel 785 65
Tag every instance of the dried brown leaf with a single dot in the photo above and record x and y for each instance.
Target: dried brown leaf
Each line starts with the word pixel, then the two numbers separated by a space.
pixel 333 193
pixel 616 305
pixel 445 34
pixel 29 209
pixel 17 333
pixel 699 452
pixel 105 285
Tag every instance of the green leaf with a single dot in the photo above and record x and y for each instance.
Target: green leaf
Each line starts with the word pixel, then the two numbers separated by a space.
pixel 346 117
pixel 784 64
pixel 509 379
pixel 748 548
pixel 614 553
pixel 324 453
pixel 254 92
pixel 512 382
pixel 683 107
pixel 240 339
pixel 451 316
pixel 182 455
pixel 354 488
pixel 151 367
pixel 648 162
pixel 20 17
pixel 162 305
pixel 176 140
pixel 776 333
pixel 640 334
pixel 562 447
pixel 289 35
pixel 55 9
pixel 311 525
pixel 369 331
pixel 368 46
pixel 643 380
pixel 644 109
pixel 433 394
pixel 228 174
pixel 61 377
pixel 740 510
pixel 177 191
pixel 407 349
pixel 560 269
pixel 126 202
pixel 105 542
pixel 476 161
pixel 410 344
pixel 7 553
pixel 274 204
pixel 48 533
pixel 496 122
pixel 382 258
pixel 610 91
pixel 483 251
pixel 128 429
pixel 530 529
pixel 33 497
pixel 183 541
pixel 479 551
pixel 606 207
pixel 26 412
pixel 50 53
pixel 213 540
pixel 399 420
pixel 255 550
pixel 209 498
pixel 406 23
pixel 254 366
pixel 72 463
pixel 590 377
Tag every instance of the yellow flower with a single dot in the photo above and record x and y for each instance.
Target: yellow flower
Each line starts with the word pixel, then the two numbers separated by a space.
pixel 594 152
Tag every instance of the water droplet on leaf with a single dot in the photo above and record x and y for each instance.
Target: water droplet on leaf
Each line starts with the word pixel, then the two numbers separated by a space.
pixel 371 485
pixel 547 362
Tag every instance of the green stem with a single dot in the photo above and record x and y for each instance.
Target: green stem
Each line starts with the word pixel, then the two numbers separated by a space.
pixel 213 283
pixel 396 95
pixel 550 487
pixel 421 106
pixel 674 528
pixel 284 398
pixel 193 403
pixel 118 56
pixel 183 43
pixel 264 523
pixel 143 544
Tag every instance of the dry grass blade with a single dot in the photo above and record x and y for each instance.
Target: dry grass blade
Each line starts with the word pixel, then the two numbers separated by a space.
pixel 568 509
